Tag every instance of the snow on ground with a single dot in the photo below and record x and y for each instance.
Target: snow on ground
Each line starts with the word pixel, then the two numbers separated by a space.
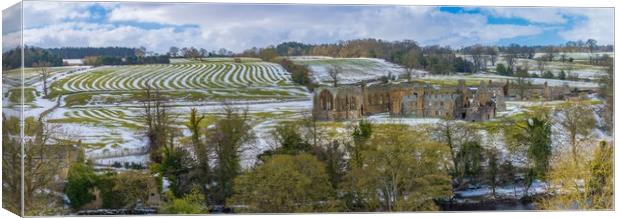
pixel 385 118
pixel 353 69
pixel 263 139
pixel 512 108
pixel 91 134
pixel 262 143
pixel 517 107
pixel 119 139
pixel 511 191
pixel 38 106
pixel 536 81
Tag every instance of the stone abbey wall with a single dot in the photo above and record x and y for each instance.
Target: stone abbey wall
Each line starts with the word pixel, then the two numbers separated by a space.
pixel 402 99
pixel 417 99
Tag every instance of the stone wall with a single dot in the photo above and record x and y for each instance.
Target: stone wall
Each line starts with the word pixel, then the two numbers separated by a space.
pixel 415 99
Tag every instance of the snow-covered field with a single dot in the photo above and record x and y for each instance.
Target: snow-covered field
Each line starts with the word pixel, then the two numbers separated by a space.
pixel 412 121
pixel 117 129
pixel 576 55
pixel 204 77
pixel 579 70
pixel 353 69
pixel 499 78
pixel 107 129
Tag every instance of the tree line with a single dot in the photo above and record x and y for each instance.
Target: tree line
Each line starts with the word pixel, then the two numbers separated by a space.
pixel 196 53
pixel 90 55
pixel 81 52
pixel 13 58
pixel 436 59
pixel 111 60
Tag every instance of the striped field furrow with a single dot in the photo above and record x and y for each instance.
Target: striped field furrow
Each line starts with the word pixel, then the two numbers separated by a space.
pixel 211 77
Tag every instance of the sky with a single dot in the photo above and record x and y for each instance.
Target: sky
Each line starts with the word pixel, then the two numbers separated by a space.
pixel 237 27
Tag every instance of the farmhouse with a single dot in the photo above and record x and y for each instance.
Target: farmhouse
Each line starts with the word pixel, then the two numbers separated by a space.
pixel 418 99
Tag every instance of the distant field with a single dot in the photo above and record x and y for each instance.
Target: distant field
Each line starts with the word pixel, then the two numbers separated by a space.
pixel 353 69
pixel 579 67
pixel 218 79
pixel 576 55
pixel 475 79
pixel 211 60
pixel 31 74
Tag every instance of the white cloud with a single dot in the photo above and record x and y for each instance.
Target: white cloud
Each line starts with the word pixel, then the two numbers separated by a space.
pixel 38 13
pixel 85 34
pixel 11 27
pixel 242 26
pixel 598 24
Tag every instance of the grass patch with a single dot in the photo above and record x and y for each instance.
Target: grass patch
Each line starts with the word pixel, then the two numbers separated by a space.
pixel 97 145
pixel 16 93
pixel 77 120
pixel 78 99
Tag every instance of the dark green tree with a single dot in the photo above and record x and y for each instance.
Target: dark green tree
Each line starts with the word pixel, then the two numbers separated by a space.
pixel 562 75
pixel 80 183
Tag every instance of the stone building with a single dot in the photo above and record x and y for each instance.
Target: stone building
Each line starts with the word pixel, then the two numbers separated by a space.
pixel 523 90
pixel 410 99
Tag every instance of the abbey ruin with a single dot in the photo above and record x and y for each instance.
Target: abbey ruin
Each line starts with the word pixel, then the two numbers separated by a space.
pixel 418 99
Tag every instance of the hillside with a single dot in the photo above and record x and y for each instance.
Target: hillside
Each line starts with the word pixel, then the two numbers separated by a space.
pixel 353 69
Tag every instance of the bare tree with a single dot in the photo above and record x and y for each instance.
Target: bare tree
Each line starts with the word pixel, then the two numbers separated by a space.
pixel 591 44
pixel 606 82
pixel 203 53
pixel 334 72
pixel 408 73
pixel 140 52
pixel 411 61
pixel 550 53
pixel 47 150
pixel 229 135
pixel 174 51
pixel 522 74
pixel 202 150
pixel 157 121
pixel 492 52
pixel 455 135
pixel 578 119
pixel 476 53
pixel 44 74
pixel 190 52
pixel 540 64
pixel 563 57
pixel 510 61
